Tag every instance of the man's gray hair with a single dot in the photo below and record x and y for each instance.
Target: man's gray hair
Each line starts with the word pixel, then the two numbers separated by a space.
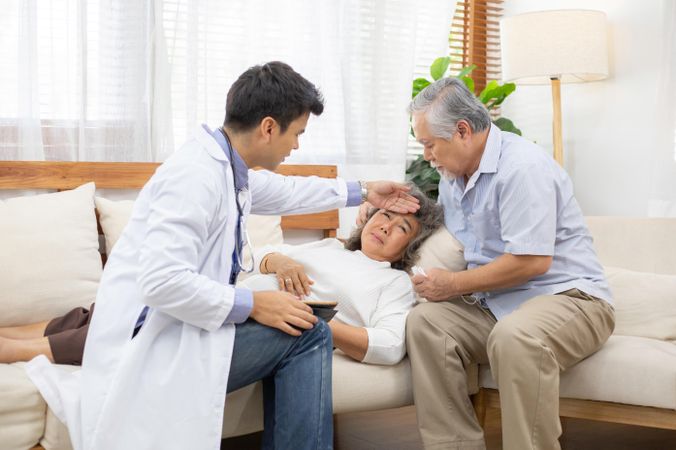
pixel 445 102
pixel 430 216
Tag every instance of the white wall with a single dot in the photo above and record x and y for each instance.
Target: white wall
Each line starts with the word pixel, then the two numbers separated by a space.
pixel 619 134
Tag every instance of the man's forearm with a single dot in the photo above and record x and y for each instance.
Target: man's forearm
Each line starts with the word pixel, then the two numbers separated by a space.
pixel 504 272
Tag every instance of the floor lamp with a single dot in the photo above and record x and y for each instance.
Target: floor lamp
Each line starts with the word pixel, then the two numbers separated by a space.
pixel 564 46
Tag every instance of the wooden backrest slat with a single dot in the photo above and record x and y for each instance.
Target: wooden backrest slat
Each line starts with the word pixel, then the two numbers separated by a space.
pixel 61 175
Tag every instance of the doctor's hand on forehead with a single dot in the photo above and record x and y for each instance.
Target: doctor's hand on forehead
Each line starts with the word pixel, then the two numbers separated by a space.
pixel 391 196
pixel 283 311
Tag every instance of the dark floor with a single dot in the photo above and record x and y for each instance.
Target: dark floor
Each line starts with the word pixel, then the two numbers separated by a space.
pixel 395 429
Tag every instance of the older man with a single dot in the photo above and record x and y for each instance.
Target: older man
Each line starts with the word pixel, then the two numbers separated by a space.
pixel 533 300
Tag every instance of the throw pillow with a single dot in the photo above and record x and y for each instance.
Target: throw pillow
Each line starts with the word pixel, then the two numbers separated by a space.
pixel 645 303
pixel 50 255
pixel 442 251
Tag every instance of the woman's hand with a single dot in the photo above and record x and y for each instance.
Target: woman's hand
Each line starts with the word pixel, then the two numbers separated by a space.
pixel 291 274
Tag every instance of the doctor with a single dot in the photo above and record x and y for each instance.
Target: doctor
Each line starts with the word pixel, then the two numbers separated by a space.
pixel 171 334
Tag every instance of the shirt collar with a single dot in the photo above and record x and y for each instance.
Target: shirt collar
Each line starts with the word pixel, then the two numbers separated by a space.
pixel 492 151
pixel 239 167
pixel 489 159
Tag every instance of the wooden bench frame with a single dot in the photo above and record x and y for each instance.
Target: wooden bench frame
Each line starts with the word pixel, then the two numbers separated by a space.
pixel 60 175
pixel 645 416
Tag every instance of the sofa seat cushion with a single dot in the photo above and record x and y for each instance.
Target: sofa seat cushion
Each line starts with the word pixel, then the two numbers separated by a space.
pixel 367 387
pixel 22 409
pixel 632 370
pixel 356 387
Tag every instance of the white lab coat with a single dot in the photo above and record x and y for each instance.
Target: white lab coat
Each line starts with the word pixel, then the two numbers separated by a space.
pixel 165 389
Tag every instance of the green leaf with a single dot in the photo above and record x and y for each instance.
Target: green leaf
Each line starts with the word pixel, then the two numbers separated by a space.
pixel 439 67
pixel 506 125
pixel 424 176
pixel 466 71
pixel 419 84
pixel 488 92
pixel 469 83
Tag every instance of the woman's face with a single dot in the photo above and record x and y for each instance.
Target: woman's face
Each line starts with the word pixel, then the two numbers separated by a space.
pixel 386 235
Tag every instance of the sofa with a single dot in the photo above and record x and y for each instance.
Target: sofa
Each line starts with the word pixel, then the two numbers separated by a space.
pixel 632 379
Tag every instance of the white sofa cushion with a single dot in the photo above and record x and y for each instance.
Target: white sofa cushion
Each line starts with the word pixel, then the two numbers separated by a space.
pixel 645 303
pixel 113 217
pixel 636 243
pixel 442 251
pixel 50 259
pixel 627 369
pixel 22 409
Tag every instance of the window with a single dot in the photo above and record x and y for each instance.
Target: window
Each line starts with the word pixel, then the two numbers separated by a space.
pixel 474 38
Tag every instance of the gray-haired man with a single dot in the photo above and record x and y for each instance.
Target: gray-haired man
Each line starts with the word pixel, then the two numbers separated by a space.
pixel 533 301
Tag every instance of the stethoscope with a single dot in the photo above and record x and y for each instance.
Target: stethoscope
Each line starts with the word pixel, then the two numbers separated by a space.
pixel 243 238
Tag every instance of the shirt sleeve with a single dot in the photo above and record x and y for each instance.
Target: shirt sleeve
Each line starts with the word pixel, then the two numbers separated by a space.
pixel 241 309
pixel 527 210
pixel 273 194
pixel 353 193
pixel 387 327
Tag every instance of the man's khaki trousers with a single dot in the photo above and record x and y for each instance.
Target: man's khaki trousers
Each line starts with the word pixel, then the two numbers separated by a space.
pixel 526 350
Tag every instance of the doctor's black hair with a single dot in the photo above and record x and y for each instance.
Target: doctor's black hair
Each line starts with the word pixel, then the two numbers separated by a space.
pixel 273 89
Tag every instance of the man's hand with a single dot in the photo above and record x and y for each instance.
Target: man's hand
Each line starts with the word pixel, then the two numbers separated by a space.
pixel 436 286
pixel 391 196
pixel 283 311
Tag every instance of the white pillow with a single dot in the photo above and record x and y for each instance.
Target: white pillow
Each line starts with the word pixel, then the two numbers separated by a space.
pixel 442 251
pixel 49 261
pixel 645 303
pixel 114 215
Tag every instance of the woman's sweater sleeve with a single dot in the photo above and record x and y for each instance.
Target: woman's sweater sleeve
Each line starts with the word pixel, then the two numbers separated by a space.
pixel 387 327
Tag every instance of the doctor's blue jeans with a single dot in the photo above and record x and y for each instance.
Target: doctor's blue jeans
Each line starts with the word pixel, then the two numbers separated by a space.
pixel 296 374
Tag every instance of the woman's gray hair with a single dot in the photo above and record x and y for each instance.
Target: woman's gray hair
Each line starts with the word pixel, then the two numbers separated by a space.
pixel 430 216
pixel 444 103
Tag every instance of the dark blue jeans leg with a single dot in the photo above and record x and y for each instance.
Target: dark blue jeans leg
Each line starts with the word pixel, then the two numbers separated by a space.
pixel 296 374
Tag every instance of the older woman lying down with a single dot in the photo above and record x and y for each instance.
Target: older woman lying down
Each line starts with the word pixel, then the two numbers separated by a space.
pixel 367 276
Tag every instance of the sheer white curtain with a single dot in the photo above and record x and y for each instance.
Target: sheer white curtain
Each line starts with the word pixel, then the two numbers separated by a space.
pixel 360 53
pixel 127 80
pixel 75 81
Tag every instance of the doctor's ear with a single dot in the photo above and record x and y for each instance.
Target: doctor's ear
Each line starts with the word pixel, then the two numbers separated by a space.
pixel 267 127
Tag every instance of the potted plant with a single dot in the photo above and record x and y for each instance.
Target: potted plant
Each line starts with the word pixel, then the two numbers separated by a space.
pixel 492 96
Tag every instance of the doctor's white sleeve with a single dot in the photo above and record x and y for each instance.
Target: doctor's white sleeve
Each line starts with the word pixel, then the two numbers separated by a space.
pixel 387 327
pixel 272 193
pixel 183 204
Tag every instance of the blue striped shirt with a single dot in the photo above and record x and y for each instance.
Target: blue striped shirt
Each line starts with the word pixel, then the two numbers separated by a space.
pixel 520 201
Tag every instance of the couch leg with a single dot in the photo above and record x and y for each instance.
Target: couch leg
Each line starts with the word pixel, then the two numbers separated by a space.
pixel 479 403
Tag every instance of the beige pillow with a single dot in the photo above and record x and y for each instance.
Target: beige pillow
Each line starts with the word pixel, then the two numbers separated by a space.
pixel 49 261
pixel 114 215
pixel 645 303
pixel 442 251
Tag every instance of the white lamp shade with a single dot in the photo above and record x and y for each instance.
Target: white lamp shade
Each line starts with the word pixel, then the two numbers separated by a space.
pixel 571 45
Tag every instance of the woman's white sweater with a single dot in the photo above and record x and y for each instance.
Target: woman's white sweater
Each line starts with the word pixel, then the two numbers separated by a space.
pixel 369 293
